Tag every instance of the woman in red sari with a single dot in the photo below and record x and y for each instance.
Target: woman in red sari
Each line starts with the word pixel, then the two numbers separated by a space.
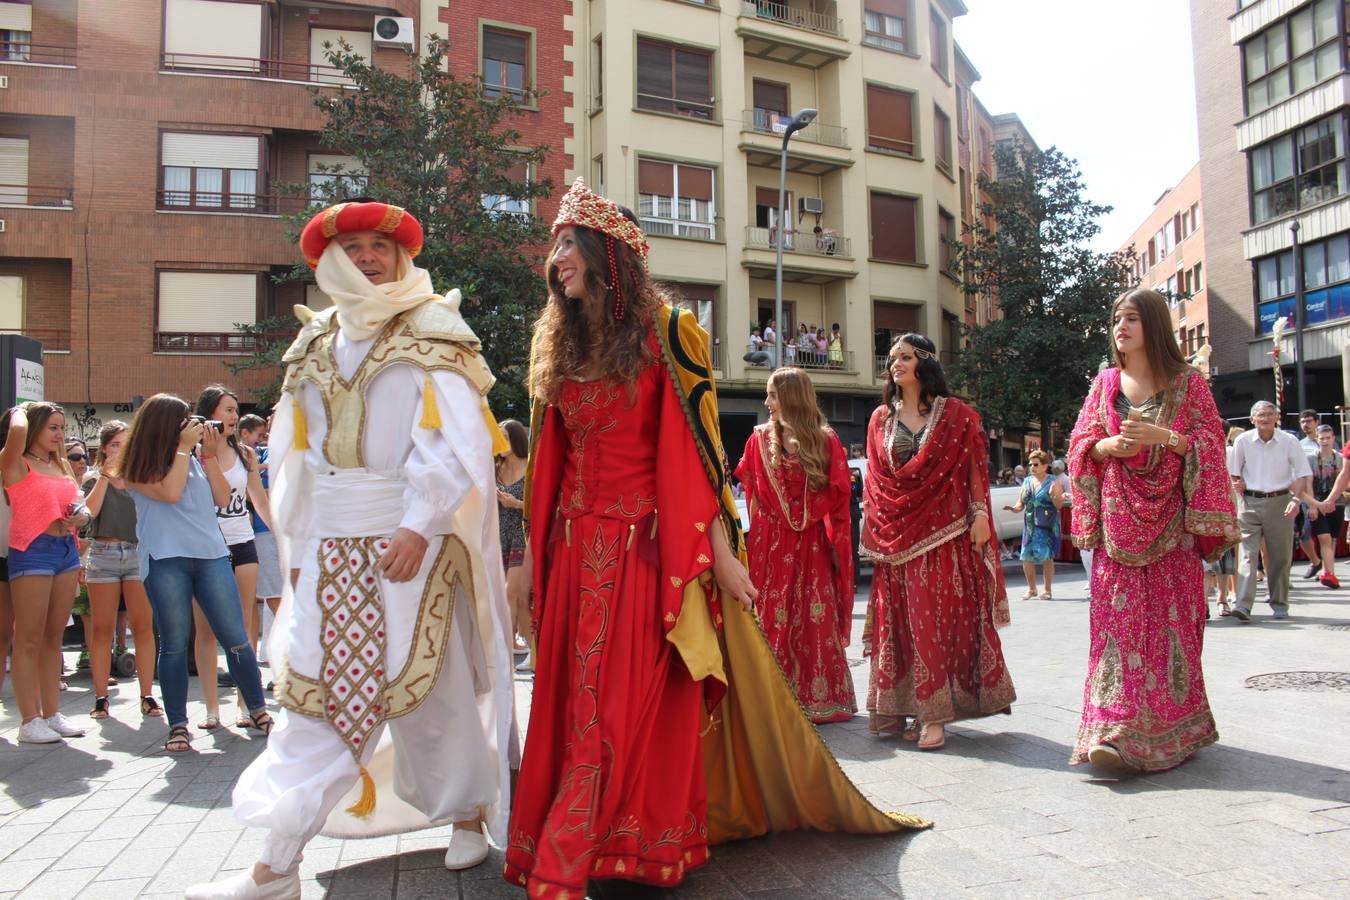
pixel 801 552
pixel 937 589
pixel 1150 490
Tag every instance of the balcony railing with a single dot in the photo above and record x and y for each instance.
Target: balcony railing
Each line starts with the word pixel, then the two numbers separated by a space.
pixel 279 69
pixel 659 226
pixel 217 202
pixel 767 121
pixel 806 19
pixel 824 244
pixel 50 338
pixel 42 54
pixel 793 355
pixel 217 342
pixel 695 109
pixel 36 195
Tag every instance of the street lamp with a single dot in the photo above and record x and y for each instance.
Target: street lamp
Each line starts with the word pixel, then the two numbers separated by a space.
pixel 1298 317
pixel 799 121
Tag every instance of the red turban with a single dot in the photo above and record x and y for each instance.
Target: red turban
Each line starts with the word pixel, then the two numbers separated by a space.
pixel 345 218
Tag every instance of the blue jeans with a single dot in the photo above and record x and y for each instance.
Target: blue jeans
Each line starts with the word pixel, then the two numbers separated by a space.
pixel 171 584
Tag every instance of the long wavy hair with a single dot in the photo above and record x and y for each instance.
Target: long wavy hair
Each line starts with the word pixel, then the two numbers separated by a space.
pixel 799 410
pixel 1160 343
pixel 932 378
pixel 109 431
pixel 147 455
pixel 207 402
pixel 38 413
pixel 571 340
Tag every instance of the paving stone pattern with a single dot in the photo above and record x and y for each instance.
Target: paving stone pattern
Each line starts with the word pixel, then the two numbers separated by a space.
pixel 1264 812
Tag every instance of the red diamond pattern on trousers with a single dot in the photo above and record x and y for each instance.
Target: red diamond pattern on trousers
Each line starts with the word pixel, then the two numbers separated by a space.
pixel 352 636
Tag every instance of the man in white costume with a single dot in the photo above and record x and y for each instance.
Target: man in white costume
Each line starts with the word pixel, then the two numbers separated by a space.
pixel 384 491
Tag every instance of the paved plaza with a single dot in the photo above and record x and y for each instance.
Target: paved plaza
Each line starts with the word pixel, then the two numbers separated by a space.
pixel 1264 812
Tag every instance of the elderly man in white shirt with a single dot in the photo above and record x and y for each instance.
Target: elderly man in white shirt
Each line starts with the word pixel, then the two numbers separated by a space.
pixel 1270 473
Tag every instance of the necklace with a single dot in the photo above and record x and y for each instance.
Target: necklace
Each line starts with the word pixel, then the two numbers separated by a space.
pixel 34 456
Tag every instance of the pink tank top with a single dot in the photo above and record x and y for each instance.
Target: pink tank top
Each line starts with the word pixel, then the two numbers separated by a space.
pixel 37 501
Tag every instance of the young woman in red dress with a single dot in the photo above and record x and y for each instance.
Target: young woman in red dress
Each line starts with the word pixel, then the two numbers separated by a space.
pixel 937 587
pixel 801 555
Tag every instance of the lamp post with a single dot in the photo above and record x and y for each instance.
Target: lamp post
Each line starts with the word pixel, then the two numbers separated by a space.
pixel 799 121
pixel 1298 318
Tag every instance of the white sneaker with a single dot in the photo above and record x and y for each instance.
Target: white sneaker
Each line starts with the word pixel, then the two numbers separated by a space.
pixel 241 886
pixel 63 726
pixel 468 847
pixel 526 664
pixel 37 731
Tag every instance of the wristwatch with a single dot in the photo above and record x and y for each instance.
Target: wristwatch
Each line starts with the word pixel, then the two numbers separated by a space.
pixel 1173 439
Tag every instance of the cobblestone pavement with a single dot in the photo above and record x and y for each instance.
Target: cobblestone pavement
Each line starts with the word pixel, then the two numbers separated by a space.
pixel 1264 812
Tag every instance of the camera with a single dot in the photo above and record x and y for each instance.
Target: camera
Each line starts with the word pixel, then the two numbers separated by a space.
pixel 209 423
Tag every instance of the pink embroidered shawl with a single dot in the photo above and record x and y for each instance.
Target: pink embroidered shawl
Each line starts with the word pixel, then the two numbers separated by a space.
pixel 1143 507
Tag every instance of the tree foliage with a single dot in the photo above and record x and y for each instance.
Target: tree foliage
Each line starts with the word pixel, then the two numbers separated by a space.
pixel 1030 256
pixel 437 146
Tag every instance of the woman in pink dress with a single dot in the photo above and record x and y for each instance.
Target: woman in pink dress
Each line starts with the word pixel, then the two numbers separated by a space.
pixel 1150 488
pixel 801 554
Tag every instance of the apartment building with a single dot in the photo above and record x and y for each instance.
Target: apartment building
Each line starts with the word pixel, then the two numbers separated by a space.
pixel 1169 247
pixel 139 145
pixel 686 106
pixel 1272 96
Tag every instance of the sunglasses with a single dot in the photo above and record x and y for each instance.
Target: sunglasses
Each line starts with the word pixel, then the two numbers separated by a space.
pixel 76 457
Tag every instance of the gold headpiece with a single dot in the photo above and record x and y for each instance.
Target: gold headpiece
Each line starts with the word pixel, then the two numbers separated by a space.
pixel 584 207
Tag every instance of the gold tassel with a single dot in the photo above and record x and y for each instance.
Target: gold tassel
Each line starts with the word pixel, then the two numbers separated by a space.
pixel 366 805
pixel 431 413
pixel 500 445
pixel 301 427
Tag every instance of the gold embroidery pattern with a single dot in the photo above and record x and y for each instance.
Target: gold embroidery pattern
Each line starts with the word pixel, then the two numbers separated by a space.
pixel 1178 672
pixel 1108 679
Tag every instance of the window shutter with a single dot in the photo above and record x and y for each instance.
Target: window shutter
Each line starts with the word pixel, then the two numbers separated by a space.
pixel 11 302
pixel 654 69
pixel 214 28
pixel 895 317
pixel 696 182
pixel 890 119
pixel 349 164
pixel 207 302
pixel 16 17
pixel 318 56
pixel 656 178
pixel 211 151
pixel 897 8
pixel 693 76
pixel 771 97
pixel 507 46
pixel 14 170
pixel 893 231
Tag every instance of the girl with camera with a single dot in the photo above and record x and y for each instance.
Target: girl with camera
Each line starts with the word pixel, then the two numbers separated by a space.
pixel 44 562
pixel 182 553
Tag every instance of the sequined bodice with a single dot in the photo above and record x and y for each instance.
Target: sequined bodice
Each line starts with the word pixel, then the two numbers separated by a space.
pixel 610 469
pixel 1149 410
pixel 906 443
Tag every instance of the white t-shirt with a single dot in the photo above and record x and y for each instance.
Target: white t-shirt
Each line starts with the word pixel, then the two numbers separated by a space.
pixel 235 523
pixel 769 336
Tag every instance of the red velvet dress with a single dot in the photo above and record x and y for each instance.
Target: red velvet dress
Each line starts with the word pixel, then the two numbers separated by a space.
pixel 801 562
pixel 611 782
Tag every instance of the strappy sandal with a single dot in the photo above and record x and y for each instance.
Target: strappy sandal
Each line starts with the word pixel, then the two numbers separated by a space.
pixel 179 740
pixel 1047 596
pixel 912 732
pixel 263 721
pixel 1224 608
pixel 210 723
pixel 100 708
pixel 937 744
pixel 150 708
pixel 244 722
pixel 1029 595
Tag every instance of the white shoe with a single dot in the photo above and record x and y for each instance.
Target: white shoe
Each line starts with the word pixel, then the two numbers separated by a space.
pixel 526 664
pixel 242 887
pixel 63 726
pixel 468 847
pixel 37 731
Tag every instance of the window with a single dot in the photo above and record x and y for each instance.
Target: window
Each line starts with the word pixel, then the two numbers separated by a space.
pixel 942 140
pixel 674 79
pixel 962 115
pixel 1300 169
pixel 598 174
pixel 11 302
pixel 884 24
pixel 598 73
pixel 333 177
pixel 1292 55
pixel 699 299
pixel 199 310
pixel 1198 279
pixel 505 204
pixel 766 217
pixel 14 171
pixel 894 228
pixel 209 171
pixel 1195 216
pixel 676 199
pixel 1200 339
pixel 506 63
pixel 16 31
pixel 937 41
pixel 947 242
pixel 1184 226
pixel 965 195
pixel 321 67
pixel 213 34
pixel 771 106
pixel 890 120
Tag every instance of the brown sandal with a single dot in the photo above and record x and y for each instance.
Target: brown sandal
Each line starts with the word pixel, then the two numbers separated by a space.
pixel 179 740
pixel 100 708
pixel 263 721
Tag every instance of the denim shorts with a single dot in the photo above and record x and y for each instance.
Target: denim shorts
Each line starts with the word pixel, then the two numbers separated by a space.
pixel 47 555
pixel 112 562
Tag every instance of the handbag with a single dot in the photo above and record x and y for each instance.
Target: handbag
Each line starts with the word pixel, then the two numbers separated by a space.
pixel 1044 517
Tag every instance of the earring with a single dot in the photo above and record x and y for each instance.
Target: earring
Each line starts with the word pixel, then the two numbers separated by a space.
pixel 614 279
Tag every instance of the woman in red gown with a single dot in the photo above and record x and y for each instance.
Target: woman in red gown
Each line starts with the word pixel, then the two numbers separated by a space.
pixel 801 553
pixel 937 587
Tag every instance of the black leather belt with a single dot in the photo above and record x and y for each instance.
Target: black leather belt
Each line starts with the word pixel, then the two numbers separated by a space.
pixel 1265 493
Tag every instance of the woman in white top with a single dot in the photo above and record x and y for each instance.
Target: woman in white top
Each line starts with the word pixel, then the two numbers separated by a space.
pixel 218 404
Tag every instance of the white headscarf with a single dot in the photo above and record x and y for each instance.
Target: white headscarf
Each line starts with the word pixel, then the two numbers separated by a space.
pixel 364 308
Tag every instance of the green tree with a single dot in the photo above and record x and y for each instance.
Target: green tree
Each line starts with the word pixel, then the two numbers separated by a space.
pixel 440 147
pixel 1030 255
pixel 268 339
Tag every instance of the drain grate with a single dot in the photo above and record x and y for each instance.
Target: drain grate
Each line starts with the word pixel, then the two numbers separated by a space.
pixel 1301 681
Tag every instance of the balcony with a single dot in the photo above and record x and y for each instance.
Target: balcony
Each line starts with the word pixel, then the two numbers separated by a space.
pixel 228 342
pixel 764 121
pixel 818 149
pixel 33 195
pixel 807 257
pixel 230 204
pixel 696 229
pixel 246 67
pixel 792 34
pixel 37 54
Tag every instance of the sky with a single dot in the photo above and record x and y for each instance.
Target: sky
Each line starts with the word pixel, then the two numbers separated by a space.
pixel 1110 84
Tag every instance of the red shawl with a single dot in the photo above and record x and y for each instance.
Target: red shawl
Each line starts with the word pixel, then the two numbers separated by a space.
pixel 1143 507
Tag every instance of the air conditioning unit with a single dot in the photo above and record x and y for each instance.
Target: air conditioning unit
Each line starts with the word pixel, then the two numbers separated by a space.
pixel 2 226
pixel 394 31
pixel 812 205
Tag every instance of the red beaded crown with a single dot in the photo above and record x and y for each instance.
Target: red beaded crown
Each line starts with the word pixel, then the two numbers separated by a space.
pixel 584 207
